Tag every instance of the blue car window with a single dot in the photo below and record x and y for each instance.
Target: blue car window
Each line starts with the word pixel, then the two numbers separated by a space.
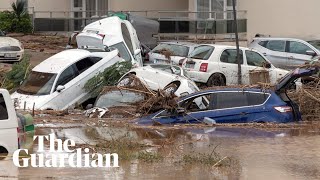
pixel 257 98
pixel 230 100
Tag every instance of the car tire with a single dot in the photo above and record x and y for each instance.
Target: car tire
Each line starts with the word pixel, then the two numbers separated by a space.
pixel 216 80
pixel 171 88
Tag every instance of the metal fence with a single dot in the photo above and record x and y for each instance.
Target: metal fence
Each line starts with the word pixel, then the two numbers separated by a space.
pixel 173 24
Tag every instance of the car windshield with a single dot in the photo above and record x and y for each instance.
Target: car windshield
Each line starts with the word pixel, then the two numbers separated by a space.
pixel 174 49
pixel 118 98
pixel 37 83
pixel 315 43
pixel 202 52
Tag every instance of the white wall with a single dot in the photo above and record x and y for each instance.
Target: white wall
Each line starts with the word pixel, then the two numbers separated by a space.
pixel 283 18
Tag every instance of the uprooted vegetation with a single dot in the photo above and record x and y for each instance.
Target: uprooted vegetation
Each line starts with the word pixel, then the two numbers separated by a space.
pixel 109 77
pixel 11 77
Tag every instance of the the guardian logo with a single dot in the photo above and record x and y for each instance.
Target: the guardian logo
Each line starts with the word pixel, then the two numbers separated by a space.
pixel 62 156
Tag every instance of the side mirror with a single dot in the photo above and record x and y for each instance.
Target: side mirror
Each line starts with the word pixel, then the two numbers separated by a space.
pixel 137 52
pixel 311 53
pixel 89 106
pixel 60 88
pixel 268 65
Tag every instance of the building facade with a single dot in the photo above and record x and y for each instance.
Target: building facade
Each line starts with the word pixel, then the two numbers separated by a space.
pixel 285 18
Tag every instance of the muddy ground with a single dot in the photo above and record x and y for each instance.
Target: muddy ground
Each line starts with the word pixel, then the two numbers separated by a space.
pixel 235 151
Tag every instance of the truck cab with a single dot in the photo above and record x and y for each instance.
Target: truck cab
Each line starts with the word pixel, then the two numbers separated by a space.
pixel 9 137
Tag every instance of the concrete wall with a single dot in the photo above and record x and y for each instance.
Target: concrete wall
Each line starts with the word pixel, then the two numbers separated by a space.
pixel 6 4
pixel 138 5
pixel 282 18
pixel 50 5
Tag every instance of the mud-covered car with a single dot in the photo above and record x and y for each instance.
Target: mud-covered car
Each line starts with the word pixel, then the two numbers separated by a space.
pixel 119 102
pixel 156 79
pixel 236 105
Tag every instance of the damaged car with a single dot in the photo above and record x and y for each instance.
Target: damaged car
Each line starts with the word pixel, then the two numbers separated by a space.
pixel 57 83
pixel 171 52
pixel 156 79
pixel 111 99
pixel 10 49
pixel 236 105
pixel 216 65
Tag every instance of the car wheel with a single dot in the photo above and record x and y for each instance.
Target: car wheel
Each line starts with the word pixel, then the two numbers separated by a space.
pixel 3 153
pixel 216 80
pixel 171 88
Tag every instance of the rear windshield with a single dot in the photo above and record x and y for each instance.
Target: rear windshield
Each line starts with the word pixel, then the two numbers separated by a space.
pixel 118 98
pixel 202 52
pixel 176 50
pixel 37 83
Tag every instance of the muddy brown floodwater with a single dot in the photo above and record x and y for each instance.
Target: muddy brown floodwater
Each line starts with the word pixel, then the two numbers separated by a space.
pixel 258 153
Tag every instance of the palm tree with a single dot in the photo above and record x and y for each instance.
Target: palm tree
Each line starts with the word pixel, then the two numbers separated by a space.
pixel 19 9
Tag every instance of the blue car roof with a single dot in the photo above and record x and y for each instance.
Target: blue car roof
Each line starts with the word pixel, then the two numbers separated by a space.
pixel 227 89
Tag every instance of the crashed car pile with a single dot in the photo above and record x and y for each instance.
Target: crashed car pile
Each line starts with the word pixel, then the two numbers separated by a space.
pixel 165 92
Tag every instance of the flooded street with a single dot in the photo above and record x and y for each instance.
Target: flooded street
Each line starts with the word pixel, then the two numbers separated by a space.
pixel 278 153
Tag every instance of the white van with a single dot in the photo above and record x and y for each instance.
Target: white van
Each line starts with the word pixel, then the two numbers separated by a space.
pixel 57 83
pixel 116 33
pixel 9 141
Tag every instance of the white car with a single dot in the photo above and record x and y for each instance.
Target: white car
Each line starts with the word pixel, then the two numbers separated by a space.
pixel 156 79
pixel 216 65
pixel 173 69
pixel 57 83
pixel 178 51
pixel 10 49
pixel 114 33
pixel 9 141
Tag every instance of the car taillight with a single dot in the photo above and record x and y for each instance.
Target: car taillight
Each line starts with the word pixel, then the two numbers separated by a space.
pixel 102 35
pixel 283 109
pixel 204 67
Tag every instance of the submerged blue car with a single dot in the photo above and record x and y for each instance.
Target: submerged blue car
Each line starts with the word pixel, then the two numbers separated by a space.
pixel 235 105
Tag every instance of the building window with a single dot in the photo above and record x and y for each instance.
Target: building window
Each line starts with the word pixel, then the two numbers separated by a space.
pixel 214 9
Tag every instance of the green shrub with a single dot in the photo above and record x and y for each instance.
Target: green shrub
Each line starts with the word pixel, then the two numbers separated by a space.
pixel 109 77
pixel 18 73
pixel 6 18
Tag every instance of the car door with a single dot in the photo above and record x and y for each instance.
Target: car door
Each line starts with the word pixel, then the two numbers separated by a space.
pixel 63 98
pixel 297 54
pixel 255 61
pixel 230 107
pixel 228 65
pixel 275 51
pixel 195 109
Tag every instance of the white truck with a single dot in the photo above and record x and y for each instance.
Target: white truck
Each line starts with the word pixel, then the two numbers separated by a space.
pixel 9 135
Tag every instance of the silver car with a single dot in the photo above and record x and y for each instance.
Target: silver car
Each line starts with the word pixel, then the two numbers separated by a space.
pixel 286 53
pixel 177 51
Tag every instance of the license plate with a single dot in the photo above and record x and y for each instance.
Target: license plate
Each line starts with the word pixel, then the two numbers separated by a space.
pixel 190 66
pixel 10 55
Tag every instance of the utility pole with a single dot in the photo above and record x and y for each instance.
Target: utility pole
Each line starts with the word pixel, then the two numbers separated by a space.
pixel 235 25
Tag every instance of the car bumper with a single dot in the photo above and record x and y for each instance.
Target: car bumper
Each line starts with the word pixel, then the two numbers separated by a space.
pixel 11 55
pixel 198 76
